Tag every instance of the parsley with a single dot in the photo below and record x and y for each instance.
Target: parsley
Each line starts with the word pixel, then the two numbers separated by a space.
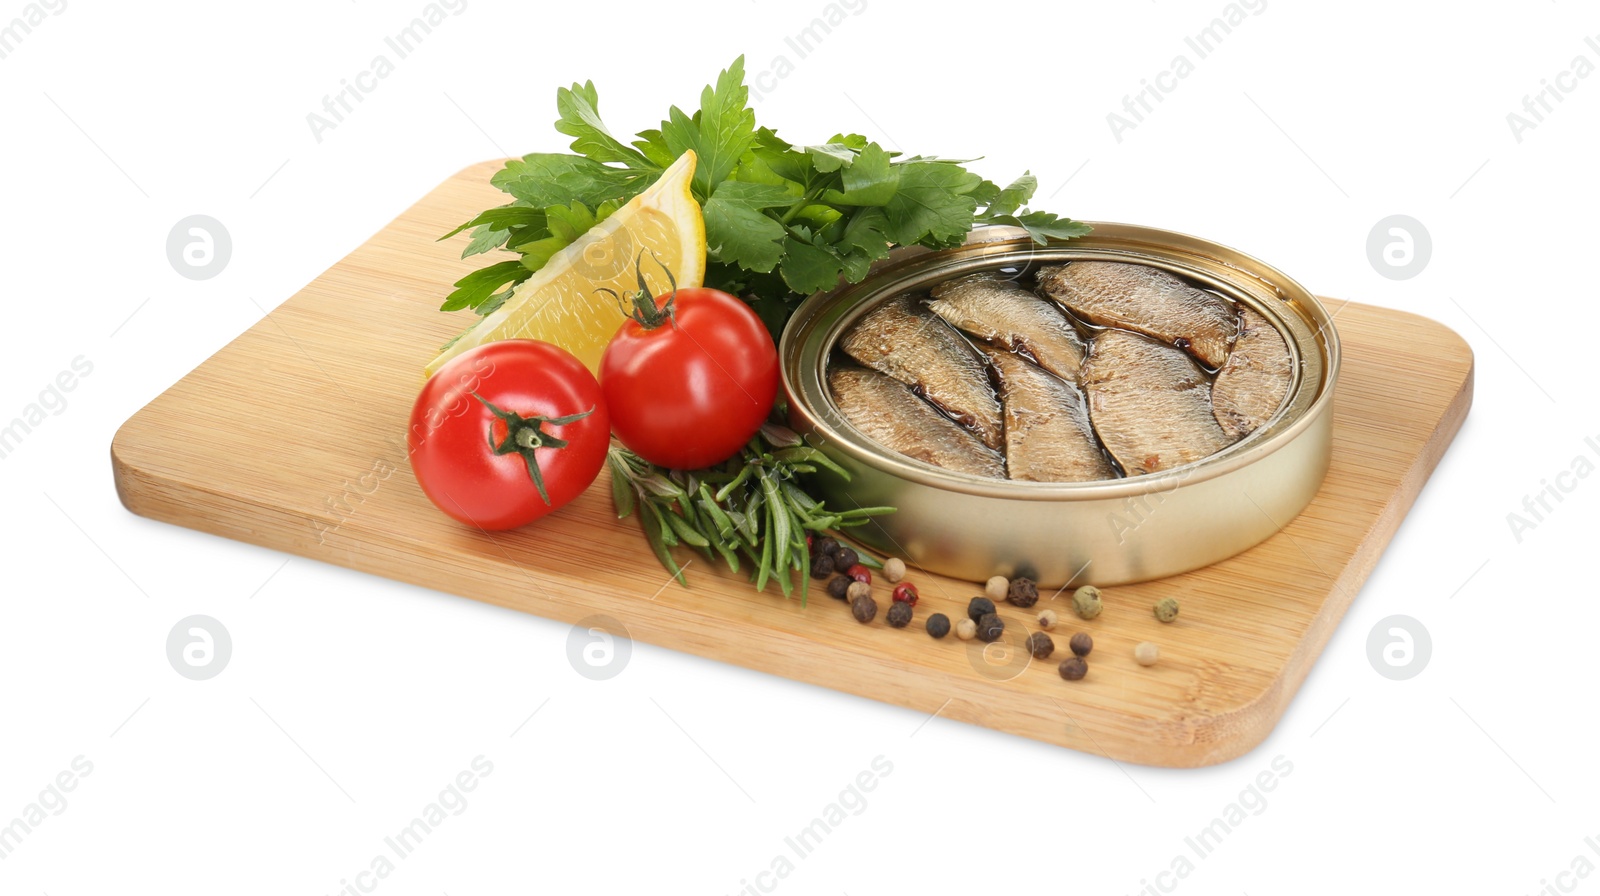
pixel 782 221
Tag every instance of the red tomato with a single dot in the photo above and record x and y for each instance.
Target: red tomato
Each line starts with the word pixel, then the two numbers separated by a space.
pixel 508 432
pixel 689 383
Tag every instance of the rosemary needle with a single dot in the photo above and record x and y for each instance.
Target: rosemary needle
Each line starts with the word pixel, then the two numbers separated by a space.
pixel 750 508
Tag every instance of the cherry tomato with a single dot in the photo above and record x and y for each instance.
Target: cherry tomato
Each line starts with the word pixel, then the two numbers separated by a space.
pixel 508 432
pixel 689 382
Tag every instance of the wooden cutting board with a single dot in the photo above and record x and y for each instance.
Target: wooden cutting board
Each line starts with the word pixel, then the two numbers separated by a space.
pixel 320 391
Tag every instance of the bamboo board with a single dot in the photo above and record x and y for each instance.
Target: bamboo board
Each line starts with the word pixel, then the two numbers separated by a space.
pixel 313 484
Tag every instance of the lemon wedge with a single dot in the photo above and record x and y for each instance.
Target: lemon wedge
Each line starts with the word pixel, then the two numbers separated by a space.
pixel 564 301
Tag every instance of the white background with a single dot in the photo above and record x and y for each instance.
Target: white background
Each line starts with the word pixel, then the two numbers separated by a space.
pixel 351 701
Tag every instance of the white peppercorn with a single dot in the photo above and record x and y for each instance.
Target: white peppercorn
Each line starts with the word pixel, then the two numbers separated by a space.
pixel 894 569
pixel 997 588
pixel 1146 654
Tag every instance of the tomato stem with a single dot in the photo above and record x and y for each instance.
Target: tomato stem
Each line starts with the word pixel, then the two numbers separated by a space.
pixel 525 435
pixel 641 306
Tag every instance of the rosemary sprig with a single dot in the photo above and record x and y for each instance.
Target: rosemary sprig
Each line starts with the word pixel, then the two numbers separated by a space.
pixel 751 506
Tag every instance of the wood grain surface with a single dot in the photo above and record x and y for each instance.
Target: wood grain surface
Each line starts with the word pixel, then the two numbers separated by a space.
pixel 259 444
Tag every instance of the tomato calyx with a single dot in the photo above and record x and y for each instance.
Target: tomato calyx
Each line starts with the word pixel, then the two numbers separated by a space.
pixel 641 307
pixel 525 435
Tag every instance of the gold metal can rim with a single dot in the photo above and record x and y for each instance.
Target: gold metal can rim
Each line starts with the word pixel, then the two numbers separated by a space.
pixel 1300 318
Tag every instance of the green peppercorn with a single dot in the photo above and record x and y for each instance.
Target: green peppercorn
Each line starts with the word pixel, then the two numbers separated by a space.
pixel 1081 644
pixel 979 607
pixel 864 608
pixel 1022 592
pixel 900 614
pixel 1086 601
pixel 1041 646
pixel 1167 609
pixel 838 586
pixel 1073 668
pixel 990 627
pixel 938 625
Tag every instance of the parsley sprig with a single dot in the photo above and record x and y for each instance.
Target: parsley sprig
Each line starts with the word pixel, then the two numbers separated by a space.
pixel 782 220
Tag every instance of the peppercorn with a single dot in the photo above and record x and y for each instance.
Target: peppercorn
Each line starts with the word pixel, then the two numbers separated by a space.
pixel 824 547
pixel 1146 653
pixel 894 569
pixel 939 625
pixel 979 607
pixel 1041 646
pixel 821 566
pixel 1081 644
pixel 905 592
pixel 856 590
pixel 1047 620
pixel 1073 668
pixel 899 614
pixel 855 570
pixel 1086 601
pixel 990 627
pixel 864 608
pixel 839 586
pixel 1167 609
pixel 1023 592
pixel 966 629
pixel 996 587
pixel 844 557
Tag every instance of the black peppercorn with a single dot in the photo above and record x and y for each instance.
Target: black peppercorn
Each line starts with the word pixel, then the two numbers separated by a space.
pixel 824 547
pixel 899 614
pixel 1074 668
pixel 1040 645
pixel 1081 644
pixel 838 585
pixel 821 566
pixel 864 608
pixel 1023 592
pixel 990 627
pixel 844 558
pixel 979 607
pixel 938 625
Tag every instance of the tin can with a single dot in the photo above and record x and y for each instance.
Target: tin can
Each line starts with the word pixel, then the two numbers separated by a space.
pixel 1105 532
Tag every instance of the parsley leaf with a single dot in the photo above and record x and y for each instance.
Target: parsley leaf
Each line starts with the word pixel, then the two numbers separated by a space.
pixel 542 179
pixel 1014 196
pixel 720 133
pixel 782 220
pixel 870 180
pixel 477 286
pixel 809 268
pixel 485 239
pixel 933 206
pixel 579 106
pixel 737 231
pixel 1043 226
